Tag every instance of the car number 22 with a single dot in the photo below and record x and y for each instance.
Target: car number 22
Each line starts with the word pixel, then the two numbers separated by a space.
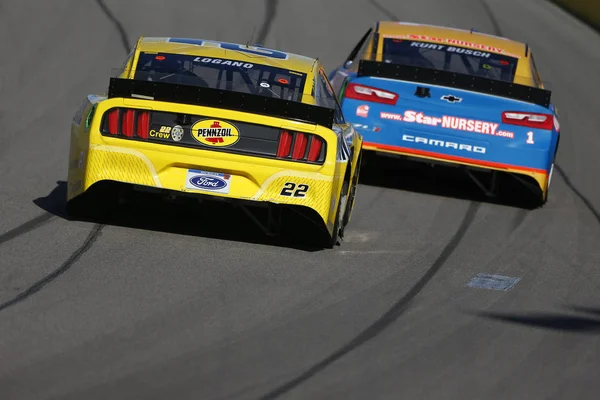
pixel 293 190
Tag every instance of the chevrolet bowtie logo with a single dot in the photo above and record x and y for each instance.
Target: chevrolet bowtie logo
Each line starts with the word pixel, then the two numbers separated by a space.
pixel 452 99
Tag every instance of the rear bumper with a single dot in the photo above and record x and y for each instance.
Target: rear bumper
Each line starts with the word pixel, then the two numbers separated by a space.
pixel 539 175
pixel 167 167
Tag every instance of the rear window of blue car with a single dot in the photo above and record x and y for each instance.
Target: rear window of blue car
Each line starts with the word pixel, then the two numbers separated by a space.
pixel 221 73
pixel 451 58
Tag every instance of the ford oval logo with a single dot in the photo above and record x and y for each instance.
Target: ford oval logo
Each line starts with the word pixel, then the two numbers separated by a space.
pixel 208 182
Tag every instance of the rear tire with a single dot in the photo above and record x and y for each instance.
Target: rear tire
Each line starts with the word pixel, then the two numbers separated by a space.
pixel 352 193
pixel 333 239
pixel 544 196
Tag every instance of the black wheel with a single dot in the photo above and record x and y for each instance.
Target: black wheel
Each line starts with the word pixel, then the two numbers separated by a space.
pixel 352 194
pixel 539 197
pixel 332 240
pixel 545 197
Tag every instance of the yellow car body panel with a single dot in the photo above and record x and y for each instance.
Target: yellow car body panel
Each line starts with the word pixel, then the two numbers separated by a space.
pixel 459 37
pixel 96 156
pixel 496 44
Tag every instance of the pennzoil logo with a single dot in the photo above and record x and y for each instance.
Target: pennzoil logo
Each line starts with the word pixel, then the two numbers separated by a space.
pixel 215 133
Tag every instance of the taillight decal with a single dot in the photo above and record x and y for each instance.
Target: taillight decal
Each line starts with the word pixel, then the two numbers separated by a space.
pixel 369 93
pixel 299 146
pixel 128 124
pixel 530 120
pixel 285 144
pixel 113 122
pixel 143 124
pixel 315 148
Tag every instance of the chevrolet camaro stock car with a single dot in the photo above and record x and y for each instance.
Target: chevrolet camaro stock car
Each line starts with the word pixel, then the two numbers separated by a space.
pixel 452 97
pixel 247 124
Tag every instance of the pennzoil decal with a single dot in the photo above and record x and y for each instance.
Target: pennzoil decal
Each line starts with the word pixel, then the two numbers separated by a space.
pixel 215 133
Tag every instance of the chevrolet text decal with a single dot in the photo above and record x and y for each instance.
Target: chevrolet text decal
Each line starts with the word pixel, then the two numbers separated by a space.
pixel 448 122
pixel 455 42
pixel 444 143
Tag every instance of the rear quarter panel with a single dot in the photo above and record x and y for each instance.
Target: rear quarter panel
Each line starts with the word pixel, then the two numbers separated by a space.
pixel 475 122
pixel 165 166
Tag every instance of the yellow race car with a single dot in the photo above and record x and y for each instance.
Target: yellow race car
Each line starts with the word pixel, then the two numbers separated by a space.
pixel 216 120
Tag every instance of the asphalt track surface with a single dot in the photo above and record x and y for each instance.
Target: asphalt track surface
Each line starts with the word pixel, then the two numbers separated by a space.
pixel 171 303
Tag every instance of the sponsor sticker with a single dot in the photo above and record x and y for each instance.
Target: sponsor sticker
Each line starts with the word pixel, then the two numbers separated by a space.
pixel 391 116
pixel 367 127
pixel 449 122
pixel 451 49
pixel 163 133
pixel 456 42
pixel 444 144
pixel 220 61
pixel 215 133
pixel 362 111
pixel 177 133
pixel 207 181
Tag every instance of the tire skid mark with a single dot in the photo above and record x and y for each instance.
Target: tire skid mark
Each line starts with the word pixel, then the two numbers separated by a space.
pixel 389 317
pixel 518 220
pixel 574 189
pixel 109 14
pixel 561 172
pixel 76 255
pixel 26 227
pixel 270 14
pixel 496 30
pixel 383 10
pixel 46 217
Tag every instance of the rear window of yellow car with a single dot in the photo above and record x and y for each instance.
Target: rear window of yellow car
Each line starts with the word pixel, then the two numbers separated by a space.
pixel 221 73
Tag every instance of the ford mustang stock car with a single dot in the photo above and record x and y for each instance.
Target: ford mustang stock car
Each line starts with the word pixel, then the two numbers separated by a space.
pixel 222 121
pixel 452 97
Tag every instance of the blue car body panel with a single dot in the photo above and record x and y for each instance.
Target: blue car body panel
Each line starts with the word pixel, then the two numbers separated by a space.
pixel 450 124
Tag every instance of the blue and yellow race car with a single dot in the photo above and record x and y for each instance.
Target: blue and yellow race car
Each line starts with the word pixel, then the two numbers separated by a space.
pixel 455 97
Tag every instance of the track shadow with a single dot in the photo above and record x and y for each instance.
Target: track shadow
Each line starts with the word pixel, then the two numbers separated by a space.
pixel 439 180
pixel 552 321
pixel 54 202
pixel 187 216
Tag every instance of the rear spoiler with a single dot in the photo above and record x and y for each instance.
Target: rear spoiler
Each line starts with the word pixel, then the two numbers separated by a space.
pixel 459 81
pixel 209 97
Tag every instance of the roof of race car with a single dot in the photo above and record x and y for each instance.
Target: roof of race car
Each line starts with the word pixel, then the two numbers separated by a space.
pixel 459 37
pixel 216 49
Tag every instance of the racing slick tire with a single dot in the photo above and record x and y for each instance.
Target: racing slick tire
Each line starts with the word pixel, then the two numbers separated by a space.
pixel 544 196
pixel 332 240
pixel 347 195
pixel 352 194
